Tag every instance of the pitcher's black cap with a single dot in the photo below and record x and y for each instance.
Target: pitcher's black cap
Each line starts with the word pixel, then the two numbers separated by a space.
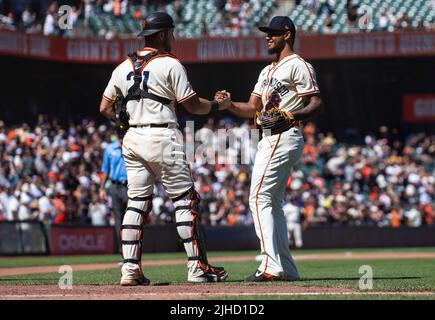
pixel 279 23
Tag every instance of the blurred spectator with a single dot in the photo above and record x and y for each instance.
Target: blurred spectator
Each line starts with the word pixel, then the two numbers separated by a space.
pixel 328 25
pixel 98 212
pixel 352 15
pixel 311 6
pixel 50 22
pixel 231 18
pixel 179 7
pixel 326 7
pixel 51 172
pixel 413 216
pixel 203 26
pixel 403 23
pixel 293 216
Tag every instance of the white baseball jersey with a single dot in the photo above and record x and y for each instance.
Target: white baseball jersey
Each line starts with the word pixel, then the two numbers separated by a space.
pixel 284 84
pixel 163 76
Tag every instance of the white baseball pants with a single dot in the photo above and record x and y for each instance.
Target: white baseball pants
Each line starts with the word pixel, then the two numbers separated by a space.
pixel 275 156
pixel 150 154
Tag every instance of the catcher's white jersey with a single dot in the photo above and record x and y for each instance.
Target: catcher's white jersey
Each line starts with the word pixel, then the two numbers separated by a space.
pixel 283 85
pixel 164 76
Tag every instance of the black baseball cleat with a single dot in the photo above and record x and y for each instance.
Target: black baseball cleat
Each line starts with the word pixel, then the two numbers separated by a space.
pixel 259 276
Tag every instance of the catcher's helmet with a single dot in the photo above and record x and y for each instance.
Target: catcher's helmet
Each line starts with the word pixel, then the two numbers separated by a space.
pixel 155 22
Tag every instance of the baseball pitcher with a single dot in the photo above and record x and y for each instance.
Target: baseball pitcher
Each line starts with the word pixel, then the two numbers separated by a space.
pixel 141 99
pixel 285 94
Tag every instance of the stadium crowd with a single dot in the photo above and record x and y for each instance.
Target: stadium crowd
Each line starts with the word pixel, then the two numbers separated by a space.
pixel 232 17
pixel 51 173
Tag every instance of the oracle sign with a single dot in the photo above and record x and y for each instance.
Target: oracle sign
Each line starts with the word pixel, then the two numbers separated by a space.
pixel 72 240
pixel 419 108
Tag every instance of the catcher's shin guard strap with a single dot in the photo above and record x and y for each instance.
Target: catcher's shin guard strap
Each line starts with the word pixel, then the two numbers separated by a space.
pixel 182 207
pixel 131 241
pixel 187 240
pixel 134 261
pixel 181 196
pixel 184 223
pixel 137 210
pixel 142 198
pixel 194 258
pixel 130 226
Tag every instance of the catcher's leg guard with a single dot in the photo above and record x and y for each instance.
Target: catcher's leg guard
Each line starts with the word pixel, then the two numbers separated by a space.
pixel 131 238
pixel 188 222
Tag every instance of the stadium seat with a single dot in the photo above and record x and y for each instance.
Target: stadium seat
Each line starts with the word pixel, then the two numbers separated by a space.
pixel 303 18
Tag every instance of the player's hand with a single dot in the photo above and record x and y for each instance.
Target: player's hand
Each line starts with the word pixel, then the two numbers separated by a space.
pixel 103 194
pixel 222 94
pixel 223 97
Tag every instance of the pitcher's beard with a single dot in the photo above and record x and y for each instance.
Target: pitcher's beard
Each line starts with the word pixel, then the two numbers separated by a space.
pixel 275 50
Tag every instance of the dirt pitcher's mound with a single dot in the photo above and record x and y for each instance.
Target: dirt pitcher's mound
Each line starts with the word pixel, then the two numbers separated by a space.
pixel 156 292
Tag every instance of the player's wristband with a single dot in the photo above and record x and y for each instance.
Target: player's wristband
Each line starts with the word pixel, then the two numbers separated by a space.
pixel 214 106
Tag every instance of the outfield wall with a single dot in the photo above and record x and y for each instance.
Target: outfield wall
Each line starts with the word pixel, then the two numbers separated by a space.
pixel 165 238
pixel 30 238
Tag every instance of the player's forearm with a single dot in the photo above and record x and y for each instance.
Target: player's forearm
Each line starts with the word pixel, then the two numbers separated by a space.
pixel 203 106
pixel 197 105
pixel 104 177
pixel 106 109
pixel 242 109
pixel 313 109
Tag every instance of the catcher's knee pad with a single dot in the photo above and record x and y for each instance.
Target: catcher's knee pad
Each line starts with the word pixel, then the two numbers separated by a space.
pixel 131 229
pixel 188 222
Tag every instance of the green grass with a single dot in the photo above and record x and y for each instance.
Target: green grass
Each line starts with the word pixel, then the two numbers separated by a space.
pixel 389 275
pixel 12 262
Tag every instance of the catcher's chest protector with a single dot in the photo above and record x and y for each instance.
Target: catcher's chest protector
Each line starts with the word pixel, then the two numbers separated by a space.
pixel 135 92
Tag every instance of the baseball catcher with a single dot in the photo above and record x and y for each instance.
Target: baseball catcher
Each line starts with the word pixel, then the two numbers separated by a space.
pixel 141 99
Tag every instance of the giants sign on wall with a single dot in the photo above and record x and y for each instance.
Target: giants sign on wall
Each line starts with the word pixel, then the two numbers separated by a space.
pixel 419 108
pixel 340 46
pixel 71 240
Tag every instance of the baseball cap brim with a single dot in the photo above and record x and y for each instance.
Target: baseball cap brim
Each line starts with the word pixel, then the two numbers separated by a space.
pixel 145 33
pixel 267 29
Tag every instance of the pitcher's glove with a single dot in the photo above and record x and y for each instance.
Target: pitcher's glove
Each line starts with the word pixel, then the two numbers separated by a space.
pixel 275 120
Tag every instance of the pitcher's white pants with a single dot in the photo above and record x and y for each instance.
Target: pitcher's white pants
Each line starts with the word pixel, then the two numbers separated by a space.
pixel 275 156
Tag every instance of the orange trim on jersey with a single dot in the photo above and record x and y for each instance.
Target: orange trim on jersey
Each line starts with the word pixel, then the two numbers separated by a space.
pixel 186 97
pixel 311 76
pixel 256 197
pixel 149 49
pixel 256 94
pixel 157 56
pixel 108 99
